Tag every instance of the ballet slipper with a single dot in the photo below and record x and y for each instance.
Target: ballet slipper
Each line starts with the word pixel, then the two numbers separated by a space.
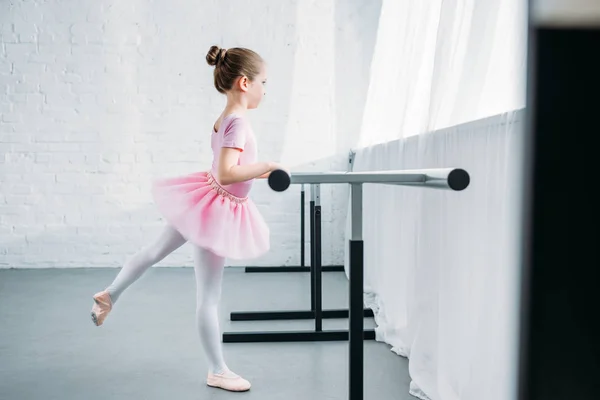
pixel 228 381
pixel 102 306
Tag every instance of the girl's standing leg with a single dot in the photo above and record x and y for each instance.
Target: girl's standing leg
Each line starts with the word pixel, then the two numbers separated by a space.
pixel 168 241
pixel 208 268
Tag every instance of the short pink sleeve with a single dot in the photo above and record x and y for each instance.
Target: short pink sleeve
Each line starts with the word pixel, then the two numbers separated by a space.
pixel 235 134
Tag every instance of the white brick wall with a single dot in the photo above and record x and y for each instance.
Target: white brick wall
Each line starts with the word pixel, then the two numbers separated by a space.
pixel 97 98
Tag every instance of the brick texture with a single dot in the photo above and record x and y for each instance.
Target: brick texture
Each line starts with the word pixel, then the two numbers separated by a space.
pixel 97 98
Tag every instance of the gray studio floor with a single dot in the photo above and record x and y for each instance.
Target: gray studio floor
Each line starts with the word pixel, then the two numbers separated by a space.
pixel 149 348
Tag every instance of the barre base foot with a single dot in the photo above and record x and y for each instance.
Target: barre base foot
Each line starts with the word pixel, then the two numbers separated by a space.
pixel 292 336
pixel 328 268
pixel 291 315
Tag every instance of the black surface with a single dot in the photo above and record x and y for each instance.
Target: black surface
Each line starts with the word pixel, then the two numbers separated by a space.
pixel 560 337
pixel 295 268
pixel 318 285
pixel 279 180
pixel 293 336
pixel 356 356
pixel 292 315
pixel 313 250
pixel 458 179
pixel 302 228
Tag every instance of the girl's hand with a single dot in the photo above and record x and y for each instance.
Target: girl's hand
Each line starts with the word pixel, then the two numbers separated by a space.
pixel 274 166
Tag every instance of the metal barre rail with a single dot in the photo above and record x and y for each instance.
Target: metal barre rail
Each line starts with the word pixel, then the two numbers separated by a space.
pixel 441 178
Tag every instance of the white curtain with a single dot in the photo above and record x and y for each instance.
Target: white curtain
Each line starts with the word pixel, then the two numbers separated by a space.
pixel 447 88
pixel 441 63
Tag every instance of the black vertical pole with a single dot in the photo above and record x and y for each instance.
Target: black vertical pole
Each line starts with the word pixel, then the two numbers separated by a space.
pixel 356 320
pixel 561 212
pixel 312 247
pixel 317 269
pixel 302 228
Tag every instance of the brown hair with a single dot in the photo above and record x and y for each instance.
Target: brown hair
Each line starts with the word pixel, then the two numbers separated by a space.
pixel 232 63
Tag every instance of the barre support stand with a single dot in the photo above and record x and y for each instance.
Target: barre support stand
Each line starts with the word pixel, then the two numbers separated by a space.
pixel 302 267
pixel 316 311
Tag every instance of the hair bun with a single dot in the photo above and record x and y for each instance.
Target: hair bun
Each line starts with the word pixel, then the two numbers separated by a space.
pixel 215 55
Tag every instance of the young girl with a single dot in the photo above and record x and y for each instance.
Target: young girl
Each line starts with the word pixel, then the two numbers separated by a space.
pixel 211 209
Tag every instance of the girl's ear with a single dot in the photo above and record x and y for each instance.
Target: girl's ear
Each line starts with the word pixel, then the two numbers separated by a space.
pixel 243 83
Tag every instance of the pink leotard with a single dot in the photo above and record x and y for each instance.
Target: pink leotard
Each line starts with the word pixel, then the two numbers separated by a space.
pixel 236 132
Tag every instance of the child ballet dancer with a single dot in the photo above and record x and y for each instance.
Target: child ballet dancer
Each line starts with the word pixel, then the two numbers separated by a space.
pixel 211 209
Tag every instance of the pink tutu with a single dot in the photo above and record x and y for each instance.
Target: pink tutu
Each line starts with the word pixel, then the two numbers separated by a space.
pixel 210 217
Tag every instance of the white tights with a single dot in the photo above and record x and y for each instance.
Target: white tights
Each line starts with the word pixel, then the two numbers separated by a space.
pixel 208 269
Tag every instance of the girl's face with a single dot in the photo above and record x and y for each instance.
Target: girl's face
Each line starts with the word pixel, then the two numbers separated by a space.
pixel 256 89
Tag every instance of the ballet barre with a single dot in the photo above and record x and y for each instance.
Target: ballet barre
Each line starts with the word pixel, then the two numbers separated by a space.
pixel 454 179
pixel 441 178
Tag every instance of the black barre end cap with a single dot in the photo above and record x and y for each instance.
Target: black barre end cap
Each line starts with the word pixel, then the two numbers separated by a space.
pixel 279 180
pixel 458 179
